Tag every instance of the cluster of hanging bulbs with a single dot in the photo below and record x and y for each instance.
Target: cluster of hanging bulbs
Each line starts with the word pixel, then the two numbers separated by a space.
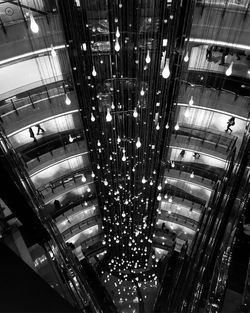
pixel 117 36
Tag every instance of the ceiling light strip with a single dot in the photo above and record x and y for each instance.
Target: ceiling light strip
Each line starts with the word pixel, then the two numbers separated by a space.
pixel 28 54
pixel 205 154
pixel 42 121
pixel 213 110
pixel 220 43
pixel 58 162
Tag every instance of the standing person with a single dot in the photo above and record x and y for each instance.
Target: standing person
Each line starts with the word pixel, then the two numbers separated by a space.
pixel 182 153
pixel 231 122
pixel 39 128
pixel 32 135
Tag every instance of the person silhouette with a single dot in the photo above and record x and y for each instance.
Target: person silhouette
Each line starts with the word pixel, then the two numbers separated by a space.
pixel 230 122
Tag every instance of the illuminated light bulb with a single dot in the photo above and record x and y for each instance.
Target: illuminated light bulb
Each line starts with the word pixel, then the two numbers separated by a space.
pixel 93 174
pixel 108 116
pixel 192 175
pixel 151 183
pixel 148 59
pixel 67 99
pixel 159 187
pixel 172 164
pixel 84 179
pixel 166 72
pixel 166 181
pixel 117 34
pixel 248 72
pixel 187 113
pixel 94 71
pixel 105 182
pixel 142 93
pixel 191 101
pixel 159 197
pixel 104 242
pixel 167 126
pixel 138 143
pixel 117 45
pixel 92 117
pixel 71 139
pixel 98 143
pixel 98 166
pixel 186 58
pixel 124 157
pixel 53 51
pixel 157 126
pixel 111 158
pixel 177 127
pixel 118 139
pixel 170 200
pixel 112 106
pixel 88 189
pixel 33 24
pixel 143 180
pixel 230 69
pixel 166 196
pixel 135 113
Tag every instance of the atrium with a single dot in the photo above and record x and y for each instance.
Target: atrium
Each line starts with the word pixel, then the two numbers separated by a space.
pixel 124 143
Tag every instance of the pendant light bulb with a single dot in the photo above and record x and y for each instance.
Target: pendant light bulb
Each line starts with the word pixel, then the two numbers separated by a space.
pixel 143 180
pixel 83 178
pixel 191 101
pixel 192 175
pixel 135 113
pixel 94 71
pixel 124 157
pixel 138 143
pixel 186 58
pixel 148 59
pixel 157 126
pixel 142 93
pixel 117 33
pixel 177 127
pixel 117 45
pixel 53 52
pixel 92 117
pixel 159 197
pixel 167 126
pixel 108 116
pixel 230 69
pixel 105 182
pixel 172 164
pixel 170 200
pixel 93 174
pixel 166 72
pixel 67 99
pixel 33 24
pixel 98 143
pixel 71 139
pixel 118 139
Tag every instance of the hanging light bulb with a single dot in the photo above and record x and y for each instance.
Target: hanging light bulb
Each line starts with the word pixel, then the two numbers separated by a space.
pixel 138 143
pixel 117 33
pixel 166 72
pixel 170 200
pixel 192 175
pixel 166 196
pixel 143 180
pixel 92 117
pixel 148 59
pixel 33 24
pixel 67 99
pixel 71 139
pixel 172 164
pixel 53 51
pixel 135 113
pixel 159 197
pixel 108 116
pixel 177 127
pixel 118 139
pixel 230 69
pixel 159 187
pixel 142 93
pixel 186 58
pixel 151 183
pixel 157 126
pixel 93 174
pixel 167 126
pixel 166 181
pixel 98 143
pixel 191 101
pixel 117 45
pixel 84 179
pixel 112 106
pixel 94 71
pixel 105 182
pixel 124 157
